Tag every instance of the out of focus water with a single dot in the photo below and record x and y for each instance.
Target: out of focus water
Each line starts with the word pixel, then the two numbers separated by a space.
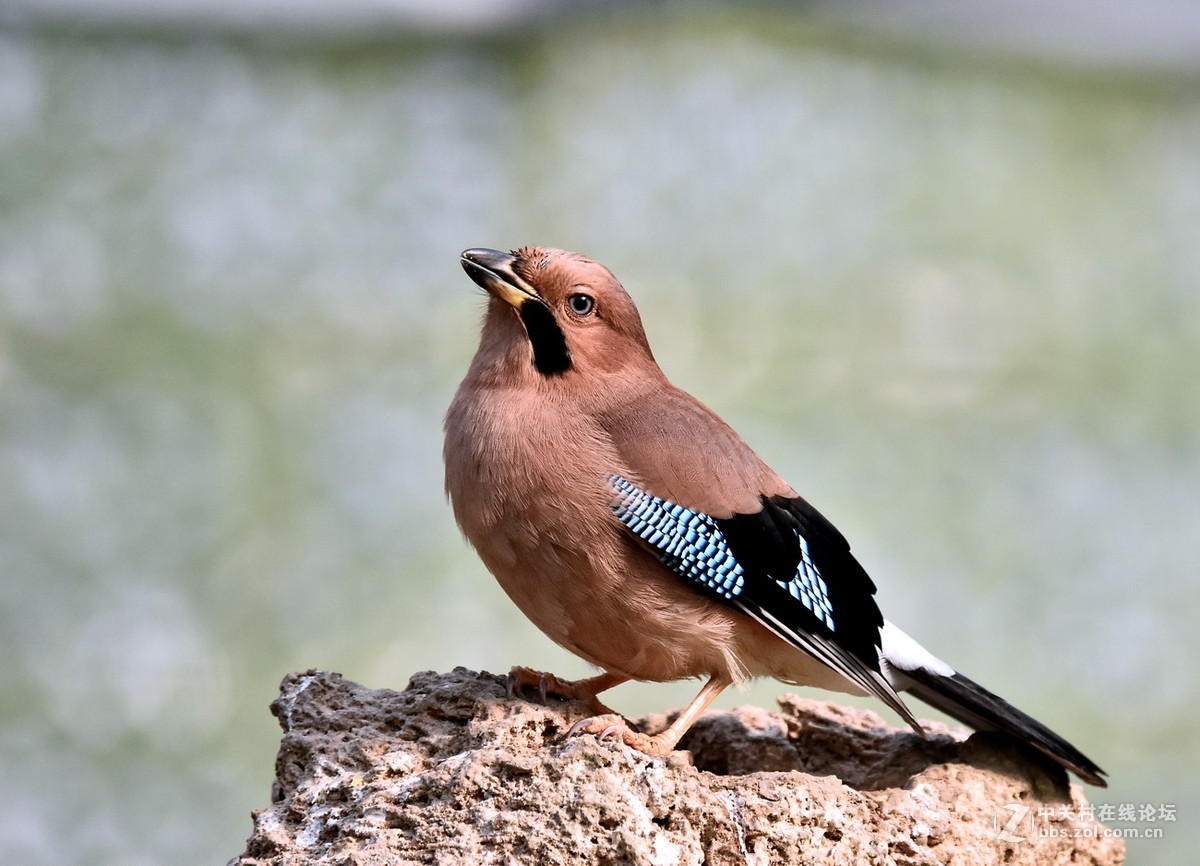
pixel 956 302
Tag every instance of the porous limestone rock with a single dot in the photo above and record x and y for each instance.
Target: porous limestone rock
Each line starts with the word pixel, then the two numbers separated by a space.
pixel 451 771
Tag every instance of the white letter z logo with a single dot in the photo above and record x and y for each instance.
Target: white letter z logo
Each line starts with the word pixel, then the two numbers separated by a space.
pixel 1008 833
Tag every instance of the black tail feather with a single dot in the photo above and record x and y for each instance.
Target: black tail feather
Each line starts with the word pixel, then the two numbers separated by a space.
pixel 972 704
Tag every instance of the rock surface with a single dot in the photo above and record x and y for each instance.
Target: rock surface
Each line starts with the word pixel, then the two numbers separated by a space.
pixel 451 771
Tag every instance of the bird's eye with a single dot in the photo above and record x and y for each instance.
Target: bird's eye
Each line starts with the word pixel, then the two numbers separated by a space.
pixel 581 304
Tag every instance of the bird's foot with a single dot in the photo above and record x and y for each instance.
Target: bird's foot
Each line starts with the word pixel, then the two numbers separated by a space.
pixel 612 726
pixel 522 679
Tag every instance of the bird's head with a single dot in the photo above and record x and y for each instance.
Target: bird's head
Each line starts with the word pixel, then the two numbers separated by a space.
pixel 573 314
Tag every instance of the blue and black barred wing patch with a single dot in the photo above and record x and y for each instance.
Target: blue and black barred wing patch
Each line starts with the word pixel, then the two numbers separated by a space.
pixel 767 566
pixel 688 542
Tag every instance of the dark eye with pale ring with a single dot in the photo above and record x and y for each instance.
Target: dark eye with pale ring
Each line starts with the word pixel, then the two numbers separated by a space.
pixel 581 304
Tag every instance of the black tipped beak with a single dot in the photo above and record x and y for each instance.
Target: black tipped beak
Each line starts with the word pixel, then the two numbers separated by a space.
pixel 493 271
pixel 493 260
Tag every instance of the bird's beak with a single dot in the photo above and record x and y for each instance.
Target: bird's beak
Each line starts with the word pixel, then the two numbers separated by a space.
pixel 493 270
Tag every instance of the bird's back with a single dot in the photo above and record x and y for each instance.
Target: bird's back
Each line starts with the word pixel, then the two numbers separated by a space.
pixel 681 450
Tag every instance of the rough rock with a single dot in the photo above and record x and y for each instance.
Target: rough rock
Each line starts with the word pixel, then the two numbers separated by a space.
pixel 451 771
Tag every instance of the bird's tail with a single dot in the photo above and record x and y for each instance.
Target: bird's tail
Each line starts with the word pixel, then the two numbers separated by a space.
pixel 916 671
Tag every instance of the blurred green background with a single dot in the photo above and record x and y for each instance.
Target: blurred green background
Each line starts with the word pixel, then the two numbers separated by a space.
pixel 947 284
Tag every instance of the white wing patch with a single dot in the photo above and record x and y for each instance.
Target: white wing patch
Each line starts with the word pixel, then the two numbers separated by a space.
pixel 905 654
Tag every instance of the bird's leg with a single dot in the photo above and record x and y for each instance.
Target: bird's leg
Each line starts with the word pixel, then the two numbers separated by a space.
pixel 613 725
pixel 520 678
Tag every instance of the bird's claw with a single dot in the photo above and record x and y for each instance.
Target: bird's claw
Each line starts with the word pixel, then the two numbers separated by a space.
pixel 615 727
pixel 602 726
pixel 548 685
pixel 611 732
pixel 521 678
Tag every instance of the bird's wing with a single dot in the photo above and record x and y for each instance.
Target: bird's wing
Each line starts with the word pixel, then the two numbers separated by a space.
pixel 783 565
pixel 714 513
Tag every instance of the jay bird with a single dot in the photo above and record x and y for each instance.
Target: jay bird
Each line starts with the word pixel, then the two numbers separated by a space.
pixel 637 530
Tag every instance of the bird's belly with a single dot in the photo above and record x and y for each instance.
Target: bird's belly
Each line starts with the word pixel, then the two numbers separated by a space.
pixel 622 610
pixel 609 609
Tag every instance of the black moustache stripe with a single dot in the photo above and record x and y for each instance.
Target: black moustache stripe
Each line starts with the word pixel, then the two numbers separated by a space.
pixel 550 355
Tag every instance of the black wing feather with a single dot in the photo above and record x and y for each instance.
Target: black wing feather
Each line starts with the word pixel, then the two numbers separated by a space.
pixel 767 544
